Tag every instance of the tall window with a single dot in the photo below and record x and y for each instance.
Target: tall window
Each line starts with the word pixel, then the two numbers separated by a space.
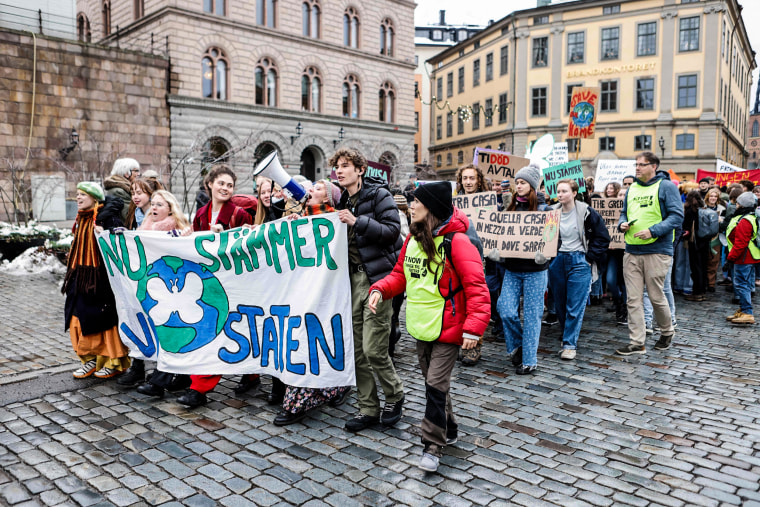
pixel 266 82
pixel 449 124
pixel 311 90
pixel 416 153
pixel 755 129
pixel 641 143
pixel 266 13
pixel 460 80
pixel 386 37
pixel 685 141
pixel 438 127
pixel 569 96
pixel 214 73
pixel 460 157
pixel 84 32
pixel 450 84
pixel 608 99
pixel 439 88
pixel 687 91
pixel 576 43
pixel 351 28
pixel 503 60
pixel 387 103
pixel 460 124
pixel 438 161
pixel 106 11
pixel 214 7
pixel 610 43
pixel 540 52
pixel 139 8
pixel 489 67
pixel 448 158
pixel 310 15
pixel 476 73
pixel 688 39
pixel 606 143
pixel 645 93
pixel 646 39
pixel 538 101
pixel 502 108
pixel 488 113
pixel 351 97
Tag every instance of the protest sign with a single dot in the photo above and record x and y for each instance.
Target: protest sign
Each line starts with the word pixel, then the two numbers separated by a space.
pixel 727 178
pixel 721 166
pixel 378 170
pixel 498 165
pixel 518 234
pixel 558 156
pixel 609 209
pixel 471 203
pixel 274 299
pixel 572 170
pixel 608 171
pixel 583 106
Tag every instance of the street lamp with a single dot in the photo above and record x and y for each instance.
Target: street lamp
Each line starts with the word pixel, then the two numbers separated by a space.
pixel 341 135
pixel 299 130
pixel 661 142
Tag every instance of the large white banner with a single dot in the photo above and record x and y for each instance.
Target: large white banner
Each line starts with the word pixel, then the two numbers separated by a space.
pixel 274 299
pixel 608 171
pixel 721 166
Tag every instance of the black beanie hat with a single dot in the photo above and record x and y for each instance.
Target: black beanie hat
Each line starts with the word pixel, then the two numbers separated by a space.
pixel 436 196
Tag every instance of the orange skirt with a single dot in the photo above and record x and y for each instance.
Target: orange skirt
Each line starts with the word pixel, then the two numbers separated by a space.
pixel 105 343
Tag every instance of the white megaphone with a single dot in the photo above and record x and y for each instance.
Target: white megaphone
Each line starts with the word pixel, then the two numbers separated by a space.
pixel 271 168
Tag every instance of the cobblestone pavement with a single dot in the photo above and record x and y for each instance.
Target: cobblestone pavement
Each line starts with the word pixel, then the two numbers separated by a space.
pixel 678 427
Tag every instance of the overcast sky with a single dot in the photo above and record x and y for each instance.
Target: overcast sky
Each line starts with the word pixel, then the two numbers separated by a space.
pixel 478 12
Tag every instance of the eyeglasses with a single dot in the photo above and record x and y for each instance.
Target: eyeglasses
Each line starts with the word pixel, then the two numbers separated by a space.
pixel 643 165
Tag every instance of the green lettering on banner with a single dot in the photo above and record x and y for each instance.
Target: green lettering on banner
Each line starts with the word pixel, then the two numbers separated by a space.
pixel 257 240
pixel 199 248
pixel 222 251
pixel 299 242
pixel 323 242
pixel 142 269
pixel 239 256
pixel 110 254
pixel 280 238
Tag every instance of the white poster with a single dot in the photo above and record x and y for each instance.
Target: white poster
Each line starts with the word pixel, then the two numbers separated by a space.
pixel 558 155
pixel 274 299
pixel 612 170
pixel 721 166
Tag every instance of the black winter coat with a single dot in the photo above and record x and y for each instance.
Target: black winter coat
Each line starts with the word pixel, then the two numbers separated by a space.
pixel 377 228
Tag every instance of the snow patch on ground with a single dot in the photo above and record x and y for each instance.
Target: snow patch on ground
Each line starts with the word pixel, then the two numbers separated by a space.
pixel 34 261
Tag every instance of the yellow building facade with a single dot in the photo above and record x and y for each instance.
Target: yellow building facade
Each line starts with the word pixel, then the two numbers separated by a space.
pixel 675 78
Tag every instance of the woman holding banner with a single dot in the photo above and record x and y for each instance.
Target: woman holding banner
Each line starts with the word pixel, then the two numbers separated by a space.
pixel 448 304
pixel 583 242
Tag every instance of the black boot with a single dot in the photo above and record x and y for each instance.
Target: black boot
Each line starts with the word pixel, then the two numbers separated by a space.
pixel 621 314
pixel 134 375
pixel 278 392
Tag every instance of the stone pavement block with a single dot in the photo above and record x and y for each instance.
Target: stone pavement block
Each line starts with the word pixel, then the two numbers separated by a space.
pixel 14 494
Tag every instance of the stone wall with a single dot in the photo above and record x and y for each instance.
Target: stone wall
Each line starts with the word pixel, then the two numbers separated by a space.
pixel 115 99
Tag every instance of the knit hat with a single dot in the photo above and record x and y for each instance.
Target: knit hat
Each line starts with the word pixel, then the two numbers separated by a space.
pixel 436 196
pixel 333 192
pixel 531 174
pixel 400 200
pixel 150 173
pixel 746 200
pixel 92 188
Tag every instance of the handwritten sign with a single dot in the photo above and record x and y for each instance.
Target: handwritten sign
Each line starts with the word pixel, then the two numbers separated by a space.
pixel 721 166
pixel 471 203
pixel 728 178
pixel 609 209
pixel 572 170
pixel 583 106
pixel 558 155
pixel 498 165
pixel 608 171
pixel 518 234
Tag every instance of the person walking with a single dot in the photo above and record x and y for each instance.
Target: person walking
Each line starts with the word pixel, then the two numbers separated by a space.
pixel 583 242
pixel 714 202
pixel 744 253
pixel 698 245
pixel 652 210
pixel 374 243
pixel 448 304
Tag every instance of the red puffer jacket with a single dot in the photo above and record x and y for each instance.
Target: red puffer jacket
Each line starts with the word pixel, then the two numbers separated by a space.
pixel 471 308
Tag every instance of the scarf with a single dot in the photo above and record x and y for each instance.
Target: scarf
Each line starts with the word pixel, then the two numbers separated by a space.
pixel 167 224
pixel 84 258
pixel 316 209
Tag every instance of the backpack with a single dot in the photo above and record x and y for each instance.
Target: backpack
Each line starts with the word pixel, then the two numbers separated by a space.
pixel 708 223
pixel 247 202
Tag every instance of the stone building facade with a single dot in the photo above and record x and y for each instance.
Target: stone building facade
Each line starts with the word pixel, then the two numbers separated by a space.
pixel 300 77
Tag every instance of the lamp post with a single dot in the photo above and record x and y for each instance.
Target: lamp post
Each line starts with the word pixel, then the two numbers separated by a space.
pixel 341 135
pixel 299 131
pixel 661 142
pixel 73 143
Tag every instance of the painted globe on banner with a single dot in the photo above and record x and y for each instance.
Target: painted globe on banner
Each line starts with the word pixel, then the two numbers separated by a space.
pixel 186 303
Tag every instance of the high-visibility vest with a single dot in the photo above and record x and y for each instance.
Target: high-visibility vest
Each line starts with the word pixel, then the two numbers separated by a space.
pixel 754 251
pixel 642 205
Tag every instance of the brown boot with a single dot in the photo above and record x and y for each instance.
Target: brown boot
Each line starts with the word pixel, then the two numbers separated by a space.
pixel 744 318
pixel 732 317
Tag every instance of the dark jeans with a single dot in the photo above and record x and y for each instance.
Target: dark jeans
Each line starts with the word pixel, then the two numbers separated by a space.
pixel 494 279
pixel 614 275
pixel 698 254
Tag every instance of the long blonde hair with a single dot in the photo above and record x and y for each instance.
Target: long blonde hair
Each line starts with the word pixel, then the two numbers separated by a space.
pixel 174 208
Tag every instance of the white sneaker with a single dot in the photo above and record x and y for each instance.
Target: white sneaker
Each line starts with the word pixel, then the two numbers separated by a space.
pixel 107 373
pixel 428 462
pixel 86 369
pixel 567 354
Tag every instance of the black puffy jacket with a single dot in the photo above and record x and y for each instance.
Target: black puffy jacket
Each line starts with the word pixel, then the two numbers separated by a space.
pixel 377 228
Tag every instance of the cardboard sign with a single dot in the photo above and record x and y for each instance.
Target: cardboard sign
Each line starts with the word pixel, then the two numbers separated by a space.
pixel 378 170
pixel 572 170
pixel 608 171
pixel 518 234
pixel 558 156
pixel 225 303
pixel 471 203
pixel 732 177
pixel 609 209
pixel 583 106
pixel 498 165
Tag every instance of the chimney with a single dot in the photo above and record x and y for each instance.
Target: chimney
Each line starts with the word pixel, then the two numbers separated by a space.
pixel 442 17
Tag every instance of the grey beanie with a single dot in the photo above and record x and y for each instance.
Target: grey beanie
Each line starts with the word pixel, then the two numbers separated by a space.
pixel 746 200
pixel 532 174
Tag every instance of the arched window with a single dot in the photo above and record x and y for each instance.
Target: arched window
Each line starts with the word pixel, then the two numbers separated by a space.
pixel 139 8
pixel 266 13
pixel 448 159
pixel 311 90
pixel 216 150
pixel 460 157
pixel 351 93
pixel 351 28
pixel 386 37
pixel 438 161
pixel 386 103
pixel 84 33
pixel 266 82
pixel 106 18
pixel 310 18
pixel 215 70
pixel 755 129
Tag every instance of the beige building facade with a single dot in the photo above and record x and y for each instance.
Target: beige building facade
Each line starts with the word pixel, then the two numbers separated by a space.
pixel 675 78
pixel 299 77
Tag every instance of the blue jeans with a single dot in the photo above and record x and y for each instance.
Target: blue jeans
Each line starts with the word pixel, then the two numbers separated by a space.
pixel 570 277
pixel 614 275
pixel 744 283
pixel 668 290
pixel 531 286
